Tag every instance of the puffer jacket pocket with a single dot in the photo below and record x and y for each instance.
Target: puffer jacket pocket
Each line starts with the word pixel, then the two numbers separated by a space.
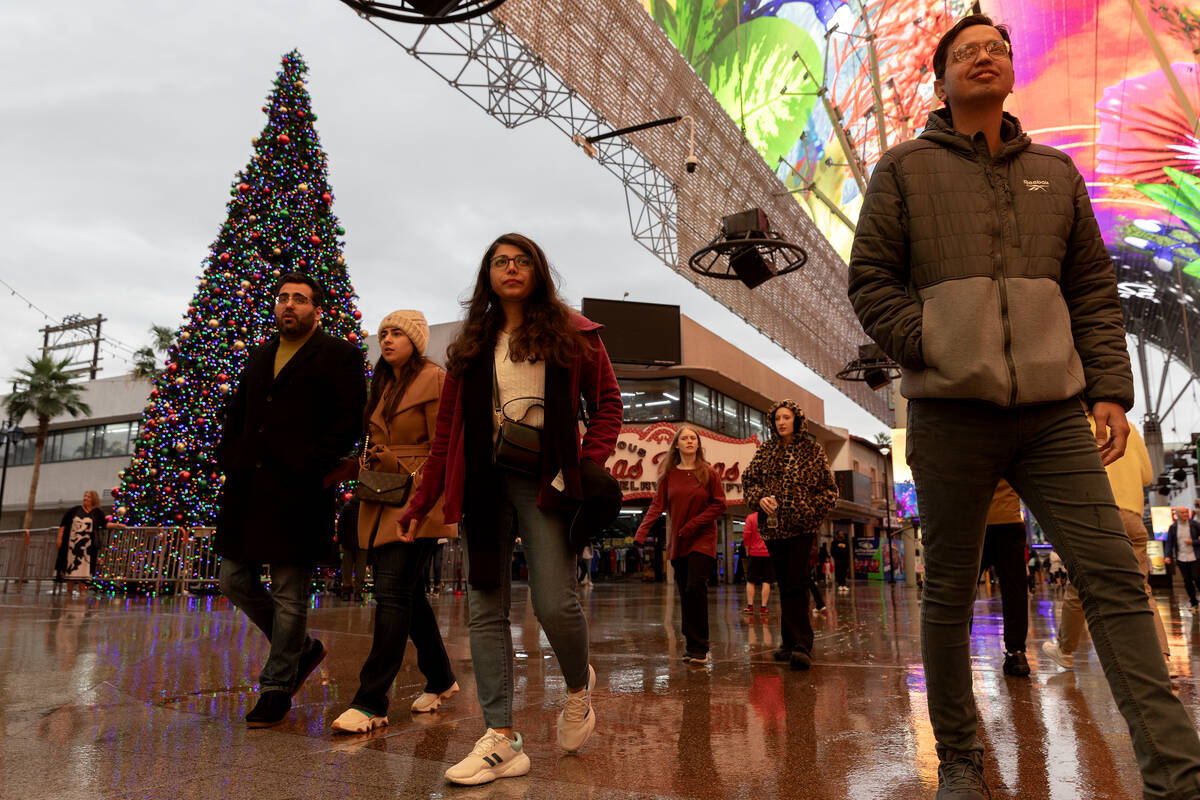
pixel 962 341
pixel 1047 364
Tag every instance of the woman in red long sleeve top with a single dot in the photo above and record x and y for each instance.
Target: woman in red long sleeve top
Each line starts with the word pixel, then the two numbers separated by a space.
pixel 690 491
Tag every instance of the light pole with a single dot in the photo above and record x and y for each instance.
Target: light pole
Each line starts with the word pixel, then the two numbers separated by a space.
pixel 10 433
pixel 887 502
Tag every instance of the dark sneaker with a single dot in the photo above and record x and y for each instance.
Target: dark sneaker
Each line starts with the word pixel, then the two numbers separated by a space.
pixel 272 706
pixel 800 660
pixel 309 660
pixel 782 654
pixel 960 777
pixel 1016 665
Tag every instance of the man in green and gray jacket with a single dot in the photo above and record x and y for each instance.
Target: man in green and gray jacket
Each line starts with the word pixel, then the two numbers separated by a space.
pixel 979 267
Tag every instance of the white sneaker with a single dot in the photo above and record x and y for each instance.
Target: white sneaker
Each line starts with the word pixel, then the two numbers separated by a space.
pixel 577 721
pixel 428 701
pixel 1055 654
pixel 494 756
pixel 354 720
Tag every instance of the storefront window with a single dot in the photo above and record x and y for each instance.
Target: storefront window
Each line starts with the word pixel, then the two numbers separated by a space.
pixel 652 400
pixel 756 423
pixel 720 413
pixel 702 405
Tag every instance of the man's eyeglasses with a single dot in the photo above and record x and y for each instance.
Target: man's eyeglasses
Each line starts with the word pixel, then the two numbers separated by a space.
pixel 522 262
pixel 996 48
pixel 297 299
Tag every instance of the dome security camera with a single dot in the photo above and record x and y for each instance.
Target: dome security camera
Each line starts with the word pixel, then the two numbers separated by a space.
pixel 691 163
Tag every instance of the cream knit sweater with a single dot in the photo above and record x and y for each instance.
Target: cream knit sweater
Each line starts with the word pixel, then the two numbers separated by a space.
pixel 519 380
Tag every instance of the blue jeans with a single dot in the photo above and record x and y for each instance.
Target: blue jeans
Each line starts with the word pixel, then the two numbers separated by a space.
pixel 401 610
pixel 958 450
pixel 281 614
pixel 552 590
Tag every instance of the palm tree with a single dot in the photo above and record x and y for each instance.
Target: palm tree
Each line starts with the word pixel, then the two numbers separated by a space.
pixel 145 359
pixel 43 389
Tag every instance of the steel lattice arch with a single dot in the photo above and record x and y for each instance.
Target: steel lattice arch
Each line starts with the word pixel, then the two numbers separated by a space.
pixel 591 66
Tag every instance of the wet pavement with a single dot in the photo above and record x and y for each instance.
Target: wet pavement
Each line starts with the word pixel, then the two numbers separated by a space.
pixel 144 698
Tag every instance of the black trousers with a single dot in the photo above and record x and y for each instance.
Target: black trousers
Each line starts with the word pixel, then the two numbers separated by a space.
pixel 691 577
pixel 841 570
pixel 790 558
pixel 401 611
pixel 1189 571
pixel 815 589
pixel 1004 549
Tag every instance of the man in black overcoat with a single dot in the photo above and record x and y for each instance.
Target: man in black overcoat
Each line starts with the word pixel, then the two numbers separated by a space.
pixel 297 411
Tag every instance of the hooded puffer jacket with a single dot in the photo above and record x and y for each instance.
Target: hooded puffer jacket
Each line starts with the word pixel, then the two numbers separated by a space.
pixel 796 474
pixel 985 276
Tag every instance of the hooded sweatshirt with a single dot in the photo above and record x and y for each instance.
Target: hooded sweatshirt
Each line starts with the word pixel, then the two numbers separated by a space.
pixel 796 474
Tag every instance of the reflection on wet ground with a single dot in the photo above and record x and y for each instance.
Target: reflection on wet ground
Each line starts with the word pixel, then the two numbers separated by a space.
pixel 137 698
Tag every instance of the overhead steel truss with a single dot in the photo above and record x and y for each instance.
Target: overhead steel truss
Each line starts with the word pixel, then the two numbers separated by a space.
pixel 486 62
pixel 590 66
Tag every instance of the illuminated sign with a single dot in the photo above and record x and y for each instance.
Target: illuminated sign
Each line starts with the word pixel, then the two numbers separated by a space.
pixel 640 452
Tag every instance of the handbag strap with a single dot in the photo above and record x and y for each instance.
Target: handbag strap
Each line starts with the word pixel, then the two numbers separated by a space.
pixel 498 409
pixel 362 459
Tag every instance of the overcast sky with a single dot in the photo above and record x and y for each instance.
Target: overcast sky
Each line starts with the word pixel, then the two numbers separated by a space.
pixel 123 123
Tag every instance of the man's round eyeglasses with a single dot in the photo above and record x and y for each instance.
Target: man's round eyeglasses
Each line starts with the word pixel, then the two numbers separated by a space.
pixel 296 298
pixel 996 48
pixel 522 262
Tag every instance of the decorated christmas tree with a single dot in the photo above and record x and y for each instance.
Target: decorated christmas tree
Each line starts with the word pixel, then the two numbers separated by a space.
pixel 279 220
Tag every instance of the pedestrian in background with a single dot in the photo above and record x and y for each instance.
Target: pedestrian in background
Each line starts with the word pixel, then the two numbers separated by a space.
pixel 759 571
pixel 353 572
pixel 789 481
pixel 78 541
pixel 841 561
pixel 1182 547
pixel 1004 552
pixel 1128 475
pixel 691 493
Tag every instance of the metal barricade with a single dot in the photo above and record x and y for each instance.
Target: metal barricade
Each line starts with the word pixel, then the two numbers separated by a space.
pixel 157 560
pixel 28 555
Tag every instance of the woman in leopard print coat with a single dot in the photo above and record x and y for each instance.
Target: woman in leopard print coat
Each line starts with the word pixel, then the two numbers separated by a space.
pixel 789 481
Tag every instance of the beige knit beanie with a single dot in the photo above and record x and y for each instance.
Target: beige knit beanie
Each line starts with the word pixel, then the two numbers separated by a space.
pixel 412 323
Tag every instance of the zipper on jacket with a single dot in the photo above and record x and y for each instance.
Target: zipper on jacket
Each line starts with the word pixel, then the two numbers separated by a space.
pixel 1010 212
pixel 998 264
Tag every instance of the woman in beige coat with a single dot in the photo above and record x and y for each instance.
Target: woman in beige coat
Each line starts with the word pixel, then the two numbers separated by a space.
pixel 400 417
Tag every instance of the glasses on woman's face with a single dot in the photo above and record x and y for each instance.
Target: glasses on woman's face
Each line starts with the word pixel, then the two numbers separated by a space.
pixel 996 48
pixel 523 262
